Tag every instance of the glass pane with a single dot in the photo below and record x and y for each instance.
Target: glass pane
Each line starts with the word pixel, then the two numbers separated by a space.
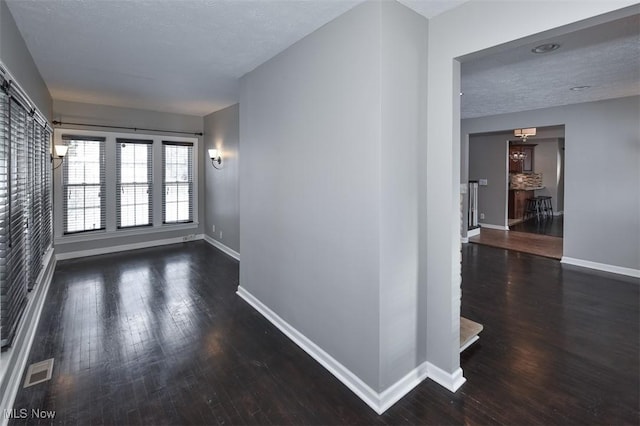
pixel 142 214
pixel 171 212
pixel 171 193
pixel 183 211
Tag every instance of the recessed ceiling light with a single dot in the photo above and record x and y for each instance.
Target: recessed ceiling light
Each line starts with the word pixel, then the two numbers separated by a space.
pixel 546 48
pixel 579 88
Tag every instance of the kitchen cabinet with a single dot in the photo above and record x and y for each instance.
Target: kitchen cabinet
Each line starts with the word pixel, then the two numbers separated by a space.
pixel 522 166
pixel 518 202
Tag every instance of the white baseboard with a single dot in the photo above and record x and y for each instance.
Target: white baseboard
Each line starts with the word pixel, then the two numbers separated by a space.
pixel 601 266
pixel 217 244
pixel 125 247
pixel 451 381
pixel 560 213
pixel 378 401
pixel 473 232
pixel 464 240
pixel 488 225
pixel 14 359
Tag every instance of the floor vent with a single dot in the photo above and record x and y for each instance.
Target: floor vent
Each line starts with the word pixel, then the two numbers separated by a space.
pixel 39 372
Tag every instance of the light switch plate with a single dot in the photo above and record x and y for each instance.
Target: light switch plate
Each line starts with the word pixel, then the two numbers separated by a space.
pixel 482 182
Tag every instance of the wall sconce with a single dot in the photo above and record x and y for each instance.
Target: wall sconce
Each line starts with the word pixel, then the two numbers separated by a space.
pixel 216 158
pixel 61 152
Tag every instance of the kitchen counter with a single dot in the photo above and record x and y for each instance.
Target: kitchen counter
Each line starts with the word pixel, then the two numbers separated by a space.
pixel 526 188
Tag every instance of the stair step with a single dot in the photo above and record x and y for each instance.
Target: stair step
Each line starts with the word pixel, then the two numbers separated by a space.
pixel 469 331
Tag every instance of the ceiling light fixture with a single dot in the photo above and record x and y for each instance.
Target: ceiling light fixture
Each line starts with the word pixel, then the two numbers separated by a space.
pixel 579 88
pixel 524 133
pixel 546 48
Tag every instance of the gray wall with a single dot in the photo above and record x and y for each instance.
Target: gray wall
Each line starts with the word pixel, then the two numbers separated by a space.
pixel 328 176
pixel 488 160
pixel 546 161
pixel 403 315
pixel 18 61
pixel 114 116
pixel 221 208
pixel 601 197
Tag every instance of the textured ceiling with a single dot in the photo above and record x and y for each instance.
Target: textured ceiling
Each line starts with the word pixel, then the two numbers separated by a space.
pixel 605 57
pixel 164 55
pixel 187 56
pixel 167 55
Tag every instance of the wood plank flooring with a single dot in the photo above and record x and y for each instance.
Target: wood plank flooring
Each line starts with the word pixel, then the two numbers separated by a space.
pixel 553 226
pixel 541 245
pixel 158 336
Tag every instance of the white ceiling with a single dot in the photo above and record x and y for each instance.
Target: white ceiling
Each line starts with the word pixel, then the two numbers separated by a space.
pixel 167 55
pixel 605 57
pixel 187 56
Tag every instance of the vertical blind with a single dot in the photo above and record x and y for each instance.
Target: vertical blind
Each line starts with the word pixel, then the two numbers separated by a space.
pixel 83 183
pixel 25 207
pixel 134 183
pixel 177 182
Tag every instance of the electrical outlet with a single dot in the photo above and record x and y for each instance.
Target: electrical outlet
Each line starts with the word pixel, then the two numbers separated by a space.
pixel 213 228
pixel 189 237
pixel 220 234
pixel 481 215
pixel 482 182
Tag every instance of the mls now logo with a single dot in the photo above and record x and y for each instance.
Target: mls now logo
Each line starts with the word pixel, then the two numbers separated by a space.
pixel 23 413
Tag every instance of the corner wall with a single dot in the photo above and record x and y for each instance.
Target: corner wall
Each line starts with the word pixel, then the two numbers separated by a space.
pixel 221 209
pixel 331 130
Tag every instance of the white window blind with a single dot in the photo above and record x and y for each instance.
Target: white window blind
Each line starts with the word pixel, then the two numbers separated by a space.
pixel 134 187
pixel 177 182
pixel 25 208
pixel 83 182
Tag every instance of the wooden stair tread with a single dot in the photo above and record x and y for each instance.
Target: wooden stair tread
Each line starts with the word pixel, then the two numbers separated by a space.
pixel 469 331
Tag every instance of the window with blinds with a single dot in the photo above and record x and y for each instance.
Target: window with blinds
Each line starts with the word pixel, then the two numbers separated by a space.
pixel 83 183
pixel 177 182
pixel 25 208
pixel 134 186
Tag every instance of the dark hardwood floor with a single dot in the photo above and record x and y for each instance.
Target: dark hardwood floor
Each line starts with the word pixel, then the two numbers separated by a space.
pixel 158 336
pixel 553 226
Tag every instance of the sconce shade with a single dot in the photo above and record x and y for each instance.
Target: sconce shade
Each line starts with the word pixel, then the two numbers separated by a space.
pixel 61 150
pixel 213 154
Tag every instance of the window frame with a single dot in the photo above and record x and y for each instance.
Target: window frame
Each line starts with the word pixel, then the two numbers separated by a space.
pixel 148 143
pixel 80 136
pixel 189 183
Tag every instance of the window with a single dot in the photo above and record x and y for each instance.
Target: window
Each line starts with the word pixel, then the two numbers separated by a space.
pixel 134 187
pixel 83 183
pixel 177 182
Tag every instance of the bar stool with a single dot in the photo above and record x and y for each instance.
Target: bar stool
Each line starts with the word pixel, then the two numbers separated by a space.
pixel 546 206
pixel 533 209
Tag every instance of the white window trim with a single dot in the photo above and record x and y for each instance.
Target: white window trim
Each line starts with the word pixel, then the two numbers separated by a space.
pixel 111 230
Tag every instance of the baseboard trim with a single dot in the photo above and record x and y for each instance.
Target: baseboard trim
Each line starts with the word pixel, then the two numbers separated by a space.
pixel 500 227
pixel 14 360
pixel 450 381
pixel 125 247
pixel 560 213
pixel 601 266
pixel 464 240
pixel 378 401
pixel 473 232
pixel 217 244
